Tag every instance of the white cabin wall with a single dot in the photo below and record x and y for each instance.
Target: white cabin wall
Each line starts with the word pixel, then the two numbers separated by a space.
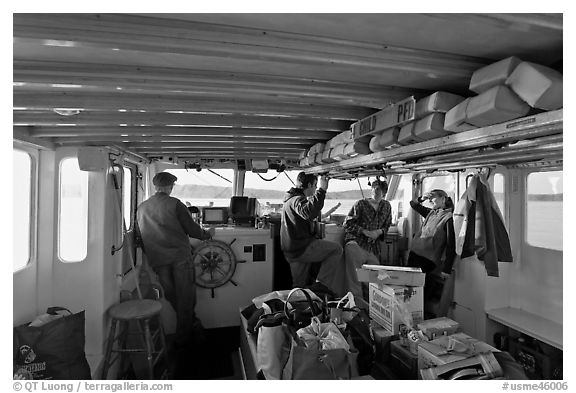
pixel 29 287
pixel 91 285
pixel 474 290
pixel 535 280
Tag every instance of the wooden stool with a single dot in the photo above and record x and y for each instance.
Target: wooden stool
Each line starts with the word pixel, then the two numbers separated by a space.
pixel 141 312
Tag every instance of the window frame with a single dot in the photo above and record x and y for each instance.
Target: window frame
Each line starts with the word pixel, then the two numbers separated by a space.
pixel 33 212
pixel 59 208
pixel 505 206
pixel 524 238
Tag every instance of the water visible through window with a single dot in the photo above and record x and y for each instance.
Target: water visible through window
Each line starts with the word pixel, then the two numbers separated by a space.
pixel 544 198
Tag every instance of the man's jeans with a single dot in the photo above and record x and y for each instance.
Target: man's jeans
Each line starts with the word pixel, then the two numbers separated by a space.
pixel 329 255
pixel 355 257
pixel 179 284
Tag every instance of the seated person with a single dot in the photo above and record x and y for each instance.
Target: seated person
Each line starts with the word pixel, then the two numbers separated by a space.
pixel 300 245
pixel 366 225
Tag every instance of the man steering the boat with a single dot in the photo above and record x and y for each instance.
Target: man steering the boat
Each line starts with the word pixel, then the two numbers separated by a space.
pixel 165 225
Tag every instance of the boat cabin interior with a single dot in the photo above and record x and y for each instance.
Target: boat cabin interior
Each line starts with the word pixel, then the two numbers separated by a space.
pixel 236 105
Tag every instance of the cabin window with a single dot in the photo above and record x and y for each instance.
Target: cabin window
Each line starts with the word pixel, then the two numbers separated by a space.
pixel 22 208
pixel 203 188
pixel 498 191
pixel 442 182
pixel 73 212
pixel 401 201
pixel 544 196
pixel 270 194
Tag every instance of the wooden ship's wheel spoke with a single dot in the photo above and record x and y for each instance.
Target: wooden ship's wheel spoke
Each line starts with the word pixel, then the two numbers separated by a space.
pixel 215 264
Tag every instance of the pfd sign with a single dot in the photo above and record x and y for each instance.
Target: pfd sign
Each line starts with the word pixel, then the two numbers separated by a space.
pixel 392 116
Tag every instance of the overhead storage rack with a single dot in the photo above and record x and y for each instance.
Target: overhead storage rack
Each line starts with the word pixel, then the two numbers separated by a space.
pixel 528 139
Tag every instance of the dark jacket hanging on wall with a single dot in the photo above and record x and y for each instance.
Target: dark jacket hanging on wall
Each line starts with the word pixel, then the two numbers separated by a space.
pixel 480 229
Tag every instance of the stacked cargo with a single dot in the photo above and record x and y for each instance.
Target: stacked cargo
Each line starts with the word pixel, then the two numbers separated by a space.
pixel 429 118
pixel 312 156
pixel 395 295
pixel 507 90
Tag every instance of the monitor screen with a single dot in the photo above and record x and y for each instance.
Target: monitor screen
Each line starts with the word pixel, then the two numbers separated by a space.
pixel 239 207
pixel 215 215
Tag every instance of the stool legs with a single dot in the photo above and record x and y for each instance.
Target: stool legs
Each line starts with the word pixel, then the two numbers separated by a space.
pixel 109 346
pixel 149 349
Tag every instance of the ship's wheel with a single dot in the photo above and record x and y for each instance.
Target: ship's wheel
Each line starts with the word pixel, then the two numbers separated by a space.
pixel 214 264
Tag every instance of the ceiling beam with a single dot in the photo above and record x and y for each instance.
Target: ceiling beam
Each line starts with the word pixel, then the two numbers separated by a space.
pixel 74 131
pixel 21 135
pixel 181 139
pixel 49 118
pixel 154 34
pixel 215 146
pixel 201 83
pixel 157 103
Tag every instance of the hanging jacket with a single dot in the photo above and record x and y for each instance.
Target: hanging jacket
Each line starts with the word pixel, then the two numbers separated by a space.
pixel 479 227
pixel 297 225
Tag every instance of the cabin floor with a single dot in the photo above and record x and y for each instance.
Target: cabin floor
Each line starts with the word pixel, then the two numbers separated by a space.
pixel 214 356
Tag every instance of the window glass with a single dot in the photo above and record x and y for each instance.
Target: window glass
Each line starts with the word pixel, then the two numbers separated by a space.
pixel 401 200
pixel 73 212
pixel 270 194
pixel 21 208
pixel 127 197
pixel 544 196
pixel 203 188
pixel 498 192
pixel 442 182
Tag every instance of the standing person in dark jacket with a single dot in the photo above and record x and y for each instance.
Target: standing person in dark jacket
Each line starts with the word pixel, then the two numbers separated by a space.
pixel 301 248
pixel 366 225
pixel 165 225
pixel 435 239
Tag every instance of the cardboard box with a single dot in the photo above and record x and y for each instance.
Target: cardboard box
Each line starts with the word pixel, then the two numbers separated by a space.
pixel 496 105
pixel 391 275
pixel 493 74
pixel 405 362
pixel 436 327
pixel 382 340
pixel 385 302
pixel 439 102
pixel 436 352
pixel 539 86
